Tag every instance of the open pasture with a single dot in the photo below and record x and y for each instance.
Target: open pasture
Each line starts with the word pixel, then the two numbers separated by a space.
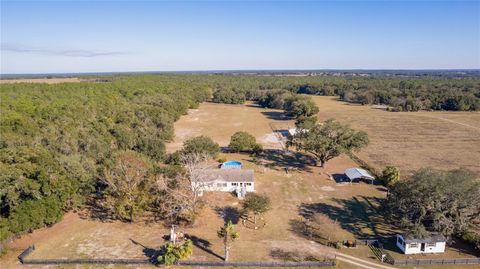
pixel 39 80
pixel 411 140
pixel 221 121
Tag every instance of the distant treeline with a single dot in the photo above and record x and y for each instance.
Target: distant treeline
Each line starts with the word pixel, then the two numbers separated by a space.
pixel 456 94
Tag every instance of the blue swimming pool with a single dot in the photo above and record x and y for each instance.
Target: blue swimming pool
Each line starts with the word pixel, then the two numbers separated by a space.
pixel 232 165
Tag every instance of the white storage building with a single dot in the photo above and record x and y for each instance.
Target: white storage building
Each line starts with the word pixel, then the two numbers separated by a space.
pixel 432 244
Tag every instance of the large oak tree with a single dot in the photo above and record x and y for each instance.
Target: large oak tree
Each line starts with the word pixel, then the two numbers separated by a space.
pixel 436 201
pixel 328 140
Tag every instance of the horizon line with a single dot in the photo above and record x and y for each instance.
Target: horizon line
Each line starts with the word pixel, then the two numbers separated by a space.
pixel 239 70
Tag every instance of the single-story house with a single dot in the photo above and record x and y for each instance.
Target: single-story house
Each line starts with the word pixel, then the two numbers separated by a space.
pixel 358 173
pixel 226 180
pixel 410 245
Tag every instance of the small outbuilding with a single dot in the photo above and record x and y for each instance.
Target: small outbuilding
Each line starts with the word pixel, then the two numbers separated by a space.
pixel 359 174
pixel 410 245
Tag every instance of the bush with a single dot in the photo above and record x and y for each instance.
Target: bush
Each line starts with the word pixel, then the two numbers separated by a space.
pixel 472 238
pixel 390 175
pixel 300 106
pixel 275 98
pixel 243 141
pixel 306 122
pixel 172 254
pixel 201 145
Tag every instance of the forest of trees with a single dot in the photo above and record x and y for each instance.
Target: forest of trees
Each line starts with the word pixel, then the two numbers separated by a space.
pixel 60 144
pixel 400 94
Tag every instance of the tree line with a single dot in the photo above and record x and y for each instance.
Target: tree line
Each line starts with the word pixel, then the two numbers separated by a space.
pixel 399 94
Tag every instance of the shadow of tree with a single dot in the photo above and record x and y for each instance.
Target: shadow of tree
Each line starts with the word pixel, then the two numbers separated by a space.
pixel 95 211
pixel 275 115
pixel 279 160
pixel 203 245
pixel 228 213
pixel 304 229
pixel 340 178
pixel 358 216
pixel 151 253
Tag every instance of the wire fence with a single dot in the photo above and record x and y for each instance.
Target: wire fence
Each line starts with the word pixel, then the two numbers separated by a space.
pixel 23 259
pixel 261 264
pixel 437 261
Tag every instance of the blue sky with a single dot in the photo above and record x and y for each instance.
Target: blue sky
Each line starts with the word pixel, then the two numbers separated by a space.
pixel 82 36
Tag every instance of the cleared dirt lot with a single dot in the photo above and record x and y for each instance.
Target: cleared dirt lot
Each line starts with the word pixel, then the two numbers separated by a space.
pixel 411 140
pixel 221 121
pixel 39 80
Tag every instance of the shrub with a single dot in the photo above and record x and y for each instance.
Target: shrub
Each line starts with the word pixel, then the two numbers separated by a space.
pixel 172 254
pixel 390 175
pixel 243 141
pixel 256 203
pixel 201 145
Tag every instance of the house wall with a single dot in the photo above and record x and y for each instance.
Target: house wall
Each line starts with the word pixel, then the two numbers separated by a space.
pixel 226 186
pixel 410 248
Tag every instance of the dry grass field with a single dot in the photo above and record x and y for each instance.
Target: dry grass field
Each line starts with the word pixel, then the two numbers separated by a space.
pixel 221 121
pixel 345 211
pixel 39 80
pixel 88 238
pixel 411 140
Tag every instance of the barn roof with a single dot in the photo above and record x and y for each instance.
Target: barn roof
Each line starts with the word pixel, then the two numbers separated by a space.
pixel 354 173
pixel 228 175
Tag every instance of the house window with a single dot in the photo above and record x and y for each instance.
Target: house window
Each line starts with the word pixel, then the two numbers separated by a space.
pixel 413 245
pixel 431 244
pixel 234 184
pixel 221 184
pixel 249 184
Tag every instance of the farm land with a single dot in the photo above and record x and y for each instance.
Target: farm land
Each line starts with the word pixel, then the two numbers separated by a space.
pixel 39 80
pixel 306 193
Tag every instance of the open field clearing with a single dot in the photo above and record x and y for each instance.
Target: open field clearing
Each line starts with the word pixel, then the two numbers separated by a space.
pixel 305 194
pixel 39 80
pixel 411 140
pixel 221 121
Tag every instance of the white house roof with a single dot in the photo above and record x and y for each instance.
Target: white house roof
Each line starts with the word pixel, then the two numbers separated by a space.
pixel 292 131
pixel 354 173
pixel 431 239
pixel 228 175
pixel 295 131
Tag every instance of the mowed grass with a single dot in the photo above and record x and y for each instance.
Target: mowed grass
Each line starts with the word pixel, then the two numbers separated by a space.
pixel 411 140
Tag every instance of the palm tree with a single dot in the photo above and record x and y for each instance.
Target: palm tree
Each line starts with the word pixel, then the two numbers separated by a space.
pixel 228 233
